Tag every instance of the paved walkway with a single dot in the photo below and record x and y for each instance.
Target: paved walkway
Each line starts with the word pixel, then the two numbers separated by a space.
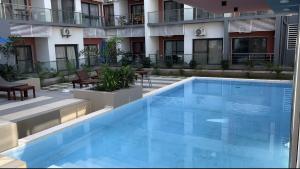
pixel 59 92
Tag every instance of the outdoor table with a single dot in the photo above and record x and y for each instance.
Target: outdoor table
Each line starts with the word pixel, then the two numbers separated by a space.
pixel 142 73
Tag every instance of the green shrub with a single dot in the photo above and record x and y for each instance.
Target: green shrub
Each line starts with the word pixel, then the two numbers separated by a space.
pixel 278 70
pixel 8 72
pixel 193 64
pixel 249 64
pixel 225 64
pixel 156 71
pixel 169 63
pixel 125 61
pixel 269 66
pixel 111 80
pixel 146 62
pixel 181 72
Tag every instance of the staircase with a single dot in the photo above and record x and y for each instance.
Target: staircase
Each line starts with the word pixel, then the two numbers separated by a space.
pixel 158 82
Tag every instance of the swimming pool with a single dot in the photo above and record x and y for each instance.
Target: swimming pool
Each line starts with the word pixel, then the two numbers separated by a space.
pixel 201 123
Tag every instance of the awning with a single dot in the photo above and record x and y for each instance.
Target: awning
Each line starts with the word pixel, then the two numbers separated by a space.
pixel 4 41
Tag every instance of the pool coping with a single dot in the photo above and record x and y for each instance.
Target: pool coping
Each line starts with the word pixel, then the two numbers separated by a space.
pixel 26 140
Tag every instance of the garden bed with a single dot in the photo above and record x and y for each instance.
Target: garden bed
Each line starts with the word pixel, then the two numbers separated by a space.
pixel 101 99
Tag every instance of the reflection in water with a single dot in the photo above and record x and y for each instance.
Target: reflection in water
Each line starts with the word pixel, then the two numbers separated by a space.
pixel 198 124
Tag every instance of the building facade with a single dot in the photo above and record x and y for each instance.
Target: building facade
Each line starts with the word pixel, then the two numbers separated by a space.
pixel 55 32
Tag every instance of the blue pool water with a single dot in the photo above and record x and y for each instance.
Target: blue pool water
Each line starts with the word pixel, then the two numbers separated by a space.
pixel 202 123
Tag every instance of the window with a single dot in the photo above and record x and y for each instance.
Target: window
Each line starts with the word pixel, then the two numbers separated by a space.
pixel 173 11
pixel 90 14
pixel 66 56
pixel 109 15
pixel 137 14
pixel 24 59
pixel 16 9
pixel 174 50
pixel 92 57
pixel 243 48
pixel 208 51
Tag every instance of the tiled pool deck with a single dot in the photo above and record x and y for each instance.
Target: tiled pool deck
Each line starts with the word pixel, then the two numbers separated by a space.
pixel 55 93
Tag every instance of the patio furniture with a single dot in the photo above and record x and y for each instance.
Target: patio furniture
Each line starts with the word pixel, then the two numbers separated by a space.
pixel 6 86
pixel 23 91
pixel 83 79
pixel 98 72
pixel 144 74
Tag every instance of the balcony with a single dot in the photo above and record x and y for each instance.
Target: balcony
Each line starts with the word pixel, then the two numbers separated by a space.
pixel 194 15
pixel 21 13
pixel 179 15
pixel 122 20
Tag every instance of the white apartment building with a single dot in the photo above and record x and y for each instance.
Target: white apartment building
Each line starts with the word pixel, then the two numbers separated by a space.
pixel 55 31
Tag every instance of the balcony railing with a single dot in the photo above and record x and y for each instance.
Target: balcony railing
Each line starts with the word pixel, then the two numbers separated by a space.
pixel 176 15
pixel 35 14
pixel 193 14
pixel 122 20
pixel 252 58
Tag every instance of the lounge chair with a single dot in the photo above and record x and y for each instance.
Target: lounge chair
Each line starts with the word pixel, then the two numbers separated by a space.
pixel 83 79
pixel 98 72
pixel 8 87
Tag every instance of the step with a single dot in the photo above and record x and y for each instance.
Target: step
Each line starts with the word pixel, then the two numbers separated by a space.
pixel 159 81
pixel 33 120
pixel 7 162
pixel 8 135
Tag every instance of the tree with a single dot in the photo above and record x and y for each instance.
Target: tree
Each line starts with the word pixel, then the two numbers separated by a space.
pixel 110 50
pixel 9 48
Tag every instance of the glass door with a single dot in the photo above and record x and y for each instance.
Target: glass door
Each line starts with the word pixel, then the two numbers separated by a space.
pixel 215 52
pixel 208 51
pixel 24 60
pixel 68 11
pixel 200 53
pixel 173 11
pixel 91 59
pixel 174 51
pixel 137 14
pixel 246 49
pixel 66 56
pixel 109 15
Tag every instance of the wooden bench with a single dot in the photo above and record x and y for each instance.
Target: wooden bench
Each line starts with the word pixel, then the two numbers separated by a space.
pixel 23 91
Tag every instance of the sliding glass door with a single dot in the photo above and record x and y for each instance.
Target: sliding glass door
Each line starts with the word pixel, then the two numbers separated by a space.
pixel 174 51
pixel 208 51
pixel 246 49
pixel 173 11
pixel 24 60
pixel 66 56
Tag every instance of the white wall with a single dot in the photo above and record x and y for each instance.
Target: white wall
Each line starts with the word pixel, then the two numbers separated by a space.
pixel 42 50
pixel 76 38
pixel 151 43
pixel 213 30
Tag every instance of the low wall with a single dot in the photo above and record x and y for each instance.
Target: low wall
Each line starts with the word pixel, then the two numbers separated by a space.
pixel 100 100
pixel 285 75
pixel 8 135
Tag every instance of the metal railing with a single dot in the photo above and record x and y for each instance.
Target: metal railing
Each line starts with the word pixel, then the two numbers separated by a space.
pixel 252 58
pixel 193 14
pixel 122 20
pixel 28 13
pixel 184 14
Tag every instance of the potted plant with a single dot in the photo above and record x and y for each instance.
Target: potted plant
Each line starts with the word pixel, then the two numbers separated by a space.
pixel 115 88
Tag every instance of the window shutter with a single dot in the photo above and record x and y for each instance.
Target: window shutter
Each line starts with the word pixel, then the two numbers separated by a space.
pixel 292 36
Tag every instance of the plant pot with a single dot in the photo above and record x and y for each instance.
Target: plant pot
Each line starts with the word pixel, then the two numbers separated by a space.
pixel 101 99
